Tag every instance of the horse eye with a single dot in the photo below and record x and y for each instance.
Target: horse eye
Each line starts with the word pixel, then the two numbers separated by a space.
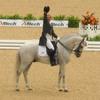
pixel 81 46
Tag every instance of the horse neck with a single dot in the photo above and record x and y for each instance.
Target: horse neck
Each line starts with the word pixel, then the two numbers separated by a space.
pixel 69 43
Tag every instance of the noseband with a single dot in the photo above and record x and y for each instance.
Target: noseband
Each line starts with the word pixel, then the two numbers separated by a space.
pixel 79 46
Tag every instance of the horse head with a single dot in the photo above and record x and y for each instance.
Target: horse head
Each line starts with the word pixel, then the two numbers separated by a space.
pixel 79 47
pixel 73 43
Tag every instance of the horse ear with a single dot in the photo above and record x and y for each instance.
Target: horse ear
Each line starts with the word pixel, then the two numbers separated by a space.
pixel 85 38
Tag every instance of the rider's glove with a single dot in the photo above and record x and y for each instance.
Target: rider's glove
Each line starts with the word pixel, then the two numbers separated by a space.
pixel 58 38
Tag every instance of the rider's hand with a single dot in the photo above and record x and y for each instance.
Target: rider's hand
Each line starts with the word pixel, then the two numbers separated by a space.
pixel 58 38
pixel 46 9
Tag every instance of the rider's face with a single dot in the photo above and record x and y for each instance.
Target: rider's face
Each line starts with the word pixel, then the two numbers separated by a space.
pixel 49 17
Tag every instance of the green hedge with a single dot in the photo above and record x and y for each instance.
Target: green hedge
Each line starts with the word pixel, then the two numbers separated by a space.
pixel 72 20
pixel 29 17
pixel 96 38
pixel 60 17
pixel 16 16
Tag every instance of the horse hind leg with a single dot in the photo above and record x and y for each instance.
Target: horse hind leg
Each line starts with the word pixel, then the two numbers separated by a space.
pixel 25 73
pixel 23 68
pixel 17 80
pixel 18 73
pixel 19 69
pixel 18 63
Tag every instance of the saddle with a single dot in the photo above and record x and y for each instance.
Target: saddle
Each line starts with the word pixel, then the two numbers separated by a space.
pixel 42 51
pixel 45 51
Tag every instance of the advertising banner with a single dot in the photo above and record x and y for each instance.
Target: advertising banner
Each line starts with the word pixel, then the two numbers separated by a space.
pixel 31 23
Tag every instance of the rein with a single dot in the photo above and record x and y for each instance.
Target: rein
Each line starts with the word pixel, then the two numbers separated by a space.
pixel 67 48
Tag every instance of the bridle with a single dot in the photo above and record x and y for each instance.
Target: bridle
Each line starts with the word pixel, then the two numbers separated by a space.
pixel 79 46
pixel 74 50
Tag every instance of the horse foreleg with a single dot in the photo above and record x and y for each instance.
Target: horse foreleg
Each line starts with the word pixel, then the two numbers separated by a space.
pixel 61 81
pixel 64 87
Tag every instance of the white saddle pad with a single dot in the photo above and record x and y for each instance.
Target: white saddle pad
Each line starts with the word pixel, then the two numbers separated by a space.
pixel 42 51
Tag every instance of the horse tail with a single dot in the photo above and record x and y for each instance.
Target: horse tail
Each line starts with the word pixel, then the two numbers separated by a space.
pixel 18 62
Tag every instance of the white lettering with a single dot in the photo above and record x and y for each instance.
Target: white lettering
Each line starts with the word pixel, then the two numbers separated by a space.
pixel 25 23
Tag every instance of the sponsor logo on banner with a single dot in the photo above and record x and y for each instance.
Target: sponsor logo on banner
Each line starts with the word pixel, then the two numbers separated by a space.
pixel 34 23
pixel 30 23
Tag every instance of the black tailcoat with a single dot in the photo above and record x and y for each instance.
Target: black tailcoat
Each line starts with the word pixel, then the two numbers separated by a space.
pixel 47 29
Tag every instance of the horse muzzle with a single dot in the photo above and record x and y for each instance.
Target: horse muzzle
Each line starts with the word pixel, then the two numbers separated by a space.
pixel 78 55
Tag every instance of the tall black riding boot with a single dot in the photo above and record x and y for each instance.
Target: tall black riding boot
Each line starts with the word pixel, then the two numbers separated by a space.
pixel 52 58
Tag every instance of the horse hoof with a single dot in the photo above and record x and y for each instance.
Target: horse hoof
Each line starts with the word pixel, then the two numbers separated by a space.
pixel 17 90
pixel 60 90
pixel 65 90
pixel 30 89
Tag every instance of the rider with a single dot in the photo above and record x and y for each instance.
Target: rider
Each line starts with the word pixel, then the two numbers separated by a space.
pixel 48 36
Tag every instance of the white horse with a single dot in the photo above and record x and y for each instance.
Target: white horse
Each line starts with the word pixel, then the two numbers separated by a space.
pixel 28 53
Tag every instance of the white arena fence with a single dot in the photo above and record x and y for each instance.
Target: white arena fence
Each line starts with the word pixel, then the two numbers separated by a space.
pixel 92 46
pixel 16 44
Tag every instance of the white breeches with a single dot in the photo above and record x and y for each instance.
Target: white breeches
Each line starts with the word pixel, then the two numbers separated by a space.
pixel 49 44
